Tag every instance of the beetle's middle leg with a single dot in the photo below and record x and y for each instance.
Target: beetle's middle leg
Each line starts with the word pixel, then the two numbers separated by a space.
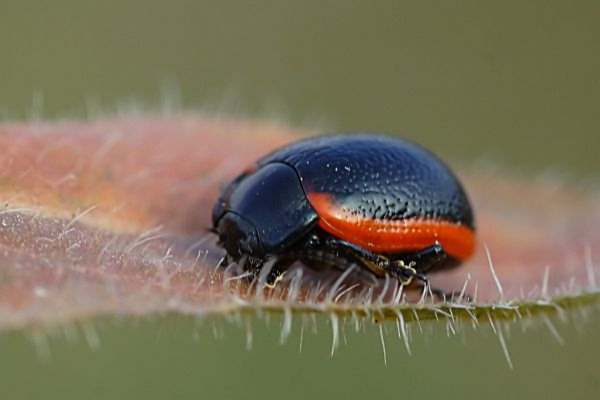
pixel 376 263
pixel 405 269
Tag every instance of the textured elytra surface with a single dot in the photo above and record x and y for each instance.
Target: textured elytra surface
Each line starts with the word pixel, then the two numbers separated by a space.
pixel 110 217
pixel 378 177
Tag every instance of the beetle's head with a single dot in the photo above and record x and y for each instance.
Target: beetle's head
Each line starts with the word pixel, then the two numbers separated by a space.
pixel 262 215
pixel 240 239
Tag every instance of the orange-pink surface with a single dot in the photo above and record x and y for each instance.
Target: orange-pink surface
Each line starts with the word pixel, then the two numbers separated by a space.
pixel 110 216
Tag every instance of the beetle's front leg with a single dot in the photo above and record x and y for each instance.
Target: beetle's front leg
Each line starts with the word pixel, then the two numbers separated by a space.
pixel 257 268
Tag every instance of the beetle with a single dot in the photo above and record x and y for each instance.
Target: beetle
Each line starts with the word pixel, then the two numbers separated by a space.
pixel 385 204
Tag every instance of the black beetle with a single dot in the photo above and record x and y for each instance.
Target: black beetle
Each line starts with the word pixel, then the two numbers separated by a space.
pixel 383 203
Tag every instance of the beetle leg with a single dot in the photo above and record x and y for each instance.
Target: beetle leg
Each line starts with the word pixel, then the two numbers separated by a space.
pixel 424 260
pixel 274 277
pixel 374 262
pixel 275 273
pixel 405 272
pixel 444 295
pixel 415 265
pixel 357 252
pixel 406 269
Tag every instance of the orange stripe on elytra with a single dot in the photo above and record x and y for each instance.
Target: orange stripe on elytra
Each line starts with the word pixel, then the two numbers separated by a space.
pixel 384 236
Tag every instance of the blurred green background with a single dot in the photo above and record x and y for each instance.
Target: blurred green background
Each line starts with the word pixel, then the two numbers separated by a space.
pixel 517 83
